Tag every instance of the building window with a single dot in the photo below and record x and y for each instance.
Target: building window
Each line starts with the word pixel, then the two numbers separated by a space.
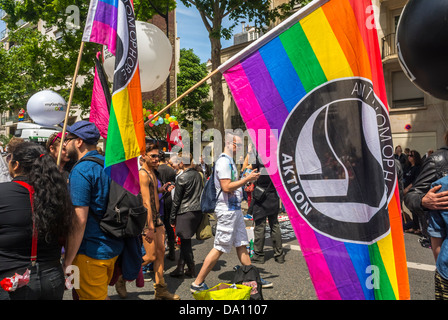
pixel 404 93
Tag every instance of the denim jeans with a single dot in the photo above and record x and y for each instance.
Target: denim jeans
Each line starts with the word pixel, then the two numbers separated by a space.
pixel 46 283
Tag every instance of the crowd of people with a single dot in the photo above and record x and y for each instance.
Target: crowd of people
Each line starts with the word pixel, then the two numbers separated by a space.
pixel 50 213
pixel 50 218
pixel 424 192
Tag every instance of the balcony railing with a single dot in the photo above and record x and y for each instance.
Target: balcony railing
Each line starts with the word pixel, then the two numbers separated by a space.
pixel 389 47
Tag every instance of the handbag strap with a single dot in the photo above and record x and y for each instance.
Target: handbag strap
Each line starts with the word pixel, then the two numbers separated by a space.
pixel 34 240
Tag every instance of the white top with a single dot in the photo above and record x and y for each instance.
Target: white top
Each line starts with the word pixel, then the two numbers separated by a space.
pixel 225 168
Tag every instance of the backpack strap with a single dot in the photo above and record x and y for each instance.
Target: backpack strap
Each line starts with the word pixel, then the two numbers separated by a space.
pixel 90 158
pixel 99 162
pixel 34 239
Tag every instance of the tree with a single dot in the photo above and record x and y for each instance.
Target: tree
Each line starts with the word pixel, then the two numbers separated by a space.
pixel 194 106
pixel 213 13
pixel 37 62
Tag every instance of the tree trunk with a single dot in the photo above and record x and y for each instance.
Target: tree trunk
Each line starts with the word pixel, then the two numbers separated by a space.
pixel 218 95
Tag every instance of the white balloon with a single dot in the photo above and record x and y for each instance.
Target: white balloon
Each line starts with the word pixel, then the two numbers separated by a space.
pixel 46 108
pixel 154 57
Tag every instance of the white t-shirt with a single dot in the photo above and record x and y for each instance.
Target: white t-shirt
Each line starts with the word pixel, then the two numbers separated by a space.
pixel 225 168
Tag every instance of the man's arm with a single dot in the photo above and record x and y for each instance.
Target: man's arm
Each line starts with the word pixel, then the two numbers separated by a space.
pixel 75 237
pixel 421 197
pixel 228 186
pixel 146 197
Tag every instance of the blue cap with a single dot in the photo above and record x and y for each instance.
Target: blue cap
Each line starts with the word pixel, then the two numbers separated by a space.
pixel 85 130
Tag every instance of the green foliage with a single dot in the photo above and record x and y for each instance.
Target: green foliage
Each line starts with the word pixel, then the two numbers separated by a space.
pixel 258 12
pixel 196 105
pixel 37 62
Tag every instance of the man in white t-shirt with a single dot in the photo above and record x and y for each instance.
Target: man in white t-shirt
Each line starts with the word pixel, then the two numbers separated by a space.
pixel 230 228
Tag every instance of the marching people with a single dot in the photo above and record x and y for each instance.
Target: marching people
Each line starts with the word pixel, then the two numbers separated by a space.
pixel 231 228
pixel 37 190
pixel 265 205
pixel 154 233
pixel 400 156
pixel 422 197
pixel 186 214
pixel 89 248
pixel 167 174
pixel 438 231
pixel 411 172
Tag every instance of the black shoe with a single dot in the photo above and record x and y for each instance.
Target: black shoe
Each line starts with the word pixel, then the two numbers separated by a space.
pixel 179 271
pixel 281 258
pixel 425 242
pixel 257 259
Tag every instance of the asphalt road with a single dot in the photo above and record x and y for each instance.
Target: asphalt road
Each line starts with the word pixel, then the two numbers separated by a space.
pixel 291 280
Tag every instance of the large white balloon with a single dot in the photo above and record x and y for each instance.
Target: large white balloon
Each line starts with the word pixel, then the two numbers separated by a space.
pixel 46 108
pixel 154 57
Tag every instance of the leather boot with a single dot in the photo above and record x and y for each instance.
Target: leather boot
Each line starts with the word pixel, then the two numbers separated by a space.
pixel 179 271
pixel 162 293
pixel 120 286
pixel 190 271
pixel 171 251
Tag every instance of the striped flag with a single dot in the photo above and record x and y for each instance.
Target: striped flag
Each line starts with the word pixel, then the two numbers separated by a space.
pixel 112 23
pixel 101 99
pixel 314 85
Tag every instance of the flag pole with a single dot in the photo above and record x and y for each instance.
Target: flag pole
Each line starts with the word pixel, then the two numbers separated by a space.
pixel 78 63
pixel 183 95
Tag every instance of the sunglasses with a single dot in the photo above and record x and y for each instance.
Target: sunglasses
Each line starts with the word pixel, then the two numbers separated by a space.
pixel 154 156
pixel 67 140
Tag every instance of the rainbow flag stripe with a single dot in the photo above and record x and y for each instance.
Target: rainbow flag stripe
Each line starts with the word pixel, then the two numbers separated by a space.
pixel 109 20
pixel 324 41
pixel 101 24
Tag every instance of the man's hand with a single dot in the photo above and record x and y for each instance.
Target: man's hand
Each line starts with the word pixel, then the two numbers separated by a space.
pixel 253 176
pixel 435 201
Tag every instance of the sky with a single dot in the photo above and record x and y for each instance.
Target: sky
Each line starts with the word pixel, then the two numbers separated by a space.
pixel 192 32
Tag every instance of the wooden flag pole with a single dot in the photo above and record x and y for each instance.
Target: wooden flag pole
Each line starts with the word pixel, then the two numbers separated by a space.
pixel 183 95
pixel 78 63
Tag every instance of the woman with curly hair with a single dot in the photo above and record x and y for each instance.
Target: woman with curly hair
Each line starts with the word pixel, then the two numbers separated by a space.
pixel 35 217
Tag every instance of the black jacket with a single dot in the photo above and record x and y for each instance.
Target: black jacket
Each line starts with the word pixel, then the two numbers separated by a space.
pixel 187 193
pixel 434 168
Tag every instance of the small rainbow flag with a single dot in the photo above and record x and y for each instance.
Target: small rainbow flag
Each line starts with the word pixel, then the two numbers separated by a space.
pixel 314 86
pixel 112 23
pixel 102 22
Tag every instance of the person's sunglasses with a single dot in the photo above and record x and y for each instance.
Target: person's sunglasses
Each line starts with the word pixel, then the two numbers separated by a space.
pixel 154 156
pixel 67 140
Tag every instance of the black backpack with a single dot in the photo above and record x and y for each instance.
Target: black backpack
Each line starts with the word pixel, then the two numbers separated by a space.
pixel 250 276
pixel 125 215
pixel 208 196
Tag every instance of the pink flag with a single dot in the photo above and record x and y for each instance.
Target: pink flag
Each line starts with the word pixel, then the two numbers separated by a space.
pixel 99 108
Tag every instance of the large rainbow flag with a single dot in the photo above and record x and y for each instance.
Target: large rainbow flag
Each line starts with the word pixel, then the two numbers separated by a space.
pixel 112 23
pixel 314 86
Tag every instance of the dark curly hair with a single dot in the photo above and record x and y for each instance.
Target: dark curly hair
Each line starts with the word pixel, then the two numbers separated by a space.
pixel 53 208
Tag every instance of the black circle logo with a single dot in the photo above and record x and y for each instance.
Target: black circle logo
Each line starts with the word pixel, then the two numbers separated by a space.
pixel 337 162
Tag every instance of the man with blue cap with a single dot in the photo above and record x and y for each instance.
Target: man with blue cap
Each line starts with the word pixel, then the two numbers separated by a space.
pixel 90 249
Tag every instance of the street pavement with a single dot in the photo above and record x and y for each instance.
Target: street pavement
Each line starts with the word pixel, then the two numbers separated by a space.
pixel 291 280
